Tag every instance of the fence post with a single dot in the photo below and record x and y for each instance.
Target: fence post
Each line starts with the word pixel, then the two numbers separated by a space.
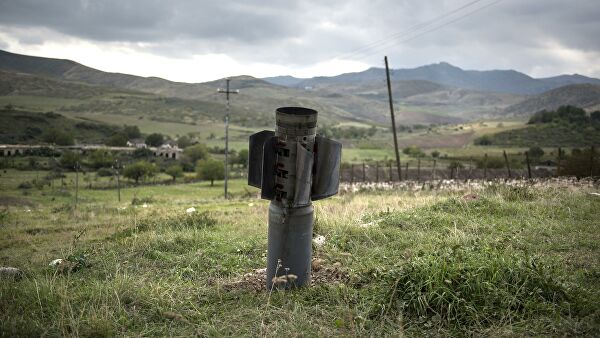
pixel 470 168
pixel 364 173
pixel 558 164
pixel 507 164
pixel 391 174
pixel 528 165
pixel 485 160
pixel 406 174
pixel 352 173
pixel 377 171
pixel 433 172
pixel 419 169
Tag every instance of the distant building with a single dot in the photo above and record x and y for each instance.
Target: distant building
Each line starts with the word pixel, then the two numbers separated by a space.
pixel 168 151
pixel 137 143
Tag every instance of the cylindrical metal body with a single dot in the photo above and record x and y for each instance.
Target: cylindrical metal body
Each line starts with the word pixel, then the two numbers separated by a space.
pixel 290 245
pixel 291 213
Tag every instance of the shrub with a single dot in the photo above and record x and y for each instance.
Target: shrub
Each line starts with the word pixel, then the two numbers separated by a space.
pixel 484 140
pixel 155 140
pixel 139 170
pixel 104 172
pixel 210 169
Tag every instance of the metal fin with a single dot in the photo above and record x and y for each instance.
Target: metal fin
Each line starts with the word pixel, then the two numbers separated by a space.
pixel 255 156
pixel 326 176
pixel 304 166
pixel 267 184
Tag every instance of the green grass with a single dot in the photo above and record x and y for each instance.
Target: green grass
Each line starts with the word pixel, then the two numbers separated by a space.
pixel 509 261
pixel 549 135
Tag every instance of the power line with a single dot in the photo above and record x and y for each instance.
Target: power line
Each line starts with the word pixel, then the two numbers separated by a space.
pixel 414 31
pixel 378 50
pixel 409 30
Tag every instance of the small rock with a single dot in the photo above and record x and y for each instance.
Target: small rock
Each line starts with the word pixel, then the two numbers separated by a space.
pixel 56 262
pixel 317 264
pixel 144 205
pixel 190 210
pixel 319 240
pixel 7 272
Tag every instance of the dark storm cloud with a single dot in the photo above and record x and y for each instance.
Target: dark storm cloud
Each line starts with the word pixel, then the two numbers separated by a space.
pixel 155 21
pixel 511 33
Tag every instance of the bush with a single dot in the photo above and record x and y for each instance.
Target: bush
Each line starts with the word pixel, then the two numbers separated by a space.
pixel 139 170
pixel 210 169
pixel 484 140
pixel 174 171
pixel 117 140
pixel 104 172
pixel 25 185
pixel 492 163
pixel 142 200
pixel 58 137
pixel 155 140
pixel 536 152
pixel 196 152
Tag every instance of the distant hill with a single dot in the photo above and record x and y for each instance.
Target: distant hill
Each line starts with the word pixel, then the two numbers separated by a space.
pixel 30 127
pixel 503 81
pixel 586 96
pixel 285 80
pixel 254 105
pixel 439 93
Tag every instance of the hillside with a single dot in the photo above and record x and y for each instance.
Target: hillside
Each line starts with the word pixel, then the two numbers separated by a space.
pixel 29 127
pixel 503 81
pixel 193 103
pixel 586 96
pixel 431 94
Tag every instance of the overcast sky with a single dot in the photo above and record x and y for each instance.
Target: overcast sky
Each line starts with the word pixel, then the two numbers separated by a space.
pixel 196 41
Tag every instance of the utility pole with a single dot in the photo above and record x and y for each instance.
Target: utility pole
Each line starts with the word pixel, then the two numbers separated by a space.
pixel 76 183
pixel 116 167
pixel 389 86
pixel 507 164
pixel 226 91
pixel 485 165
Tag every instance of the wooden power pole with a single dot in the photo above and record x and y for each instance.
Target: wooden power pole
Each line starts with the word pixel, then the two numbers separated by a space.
pixel 226 91
pixel 389 86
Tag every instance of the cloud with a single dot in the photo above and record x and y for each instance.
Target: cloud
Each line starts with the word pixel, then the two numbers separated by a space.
pixel 539 37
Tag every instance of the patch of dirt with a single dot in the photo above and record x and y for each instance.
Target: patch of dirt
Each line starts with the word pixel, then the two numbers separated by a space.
pixel 16 201
pixel 321 274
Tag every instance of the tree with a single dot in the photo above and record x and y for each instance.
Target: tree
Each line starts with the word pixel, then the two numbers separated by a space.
pixel 413 151
pixel 184 142
pixel 139 170
pixel 155 140
pixel 242 158
pixel 209 169
pixel 196 152
pixel 435 154
pixel 131 132
pixel 58 137
pixel 100 158
pixel 69 159
pixel 536 152
pixel 174 171
pixel 117 140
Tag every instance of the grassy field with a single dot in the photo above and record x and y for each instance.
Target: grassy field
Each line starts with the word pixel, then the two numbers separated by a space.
pixel 495 261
